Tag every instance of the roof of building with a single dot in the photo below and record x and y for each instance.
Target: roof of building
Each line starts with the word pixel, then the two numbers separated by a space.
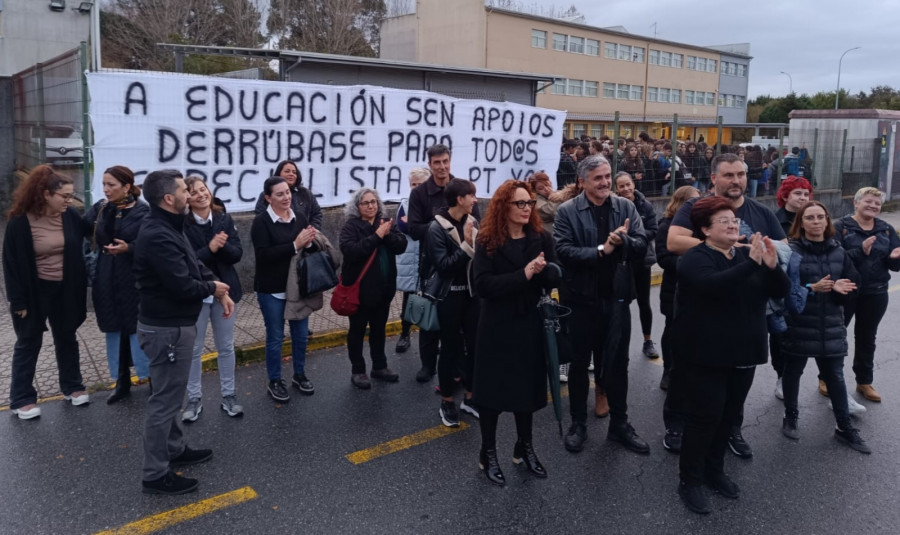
pixel 299 56
pixel 612 31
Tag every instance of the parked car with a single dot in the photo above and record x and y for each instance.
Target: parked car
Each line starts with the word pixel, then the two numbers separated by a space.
pixel 63 144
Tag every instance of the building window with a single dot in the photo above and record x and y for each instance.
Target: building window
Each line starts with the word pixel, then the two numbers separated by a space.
pixel 538 39
pixel 710 98
pixel 711 65
pixel 665 59
pixel 701 64
pixel 721 102
pixel 637 92
pixel 609 50
pixel 592 47
pixel 663 94
pixel 559 41
pixel 676 60
pixel 738 101
pixel 654 57
pixel 596 130
pixel 692 63
pixel 559 87
pixel 652 94
pixel 576 88
pixel 637 54
pixel 578 130
pixel 675 96
pixel 742 70
pixel 609 90
pixel 590 89
pixel 688 96
pixel 624 52
pixel 576 45
pixel 729 101
pixel 623 91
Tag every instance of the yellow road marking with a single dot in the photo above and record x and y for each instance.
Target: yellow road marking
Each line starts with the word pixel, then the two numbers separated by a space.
pixel 183 514
pixel 402 443
pixel 894 288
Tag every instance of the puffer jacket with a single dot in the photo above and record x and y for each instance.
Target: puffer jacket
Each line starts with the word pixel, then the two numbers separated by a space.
pixel 408 261
pixel 651 226
pixel 873 268
pixel 819 331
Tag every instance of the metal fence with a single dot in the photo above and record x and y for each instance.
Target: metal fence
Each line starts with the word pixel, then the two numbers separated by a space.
pixel 836 162
pixel 50 116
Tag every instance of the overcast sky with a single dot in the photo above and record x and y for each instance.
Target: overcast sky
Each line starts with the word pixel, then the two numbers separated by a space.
pixel 802 37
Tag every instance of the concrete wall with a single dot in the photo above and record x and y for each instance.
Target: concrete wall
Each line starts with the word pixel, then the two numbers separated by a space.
pixel 398 38
pixel 31 33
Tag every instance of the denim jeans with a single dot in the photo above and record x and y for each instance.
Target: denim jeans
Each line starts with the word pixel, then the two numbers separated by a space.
pixel 272 310
pixel 28 347
pixel 138 357
pixel 223 334
pixel 752 185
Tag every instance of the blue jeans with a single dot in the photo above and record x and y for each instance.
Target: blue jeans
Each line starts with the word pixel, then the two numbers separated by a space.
pixel 138 357
pixel 752 185
pixel 223 333
pixel 272 310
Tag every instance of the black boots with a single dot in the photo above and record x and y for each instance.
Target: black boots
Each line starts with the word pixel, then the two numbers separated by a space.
pixel 488 463
pixel 524 453
pixel 123 386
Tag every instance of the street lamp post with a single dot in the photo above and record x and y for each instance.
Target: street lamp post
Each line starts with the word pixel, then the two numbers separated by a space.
pixel 837 92
pixel 791 81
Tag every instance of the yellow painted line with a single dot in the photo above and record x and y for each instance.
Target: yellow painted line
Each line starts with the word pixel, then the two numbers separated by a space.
pixel 402 443
pixel 178 515
pixel 894 288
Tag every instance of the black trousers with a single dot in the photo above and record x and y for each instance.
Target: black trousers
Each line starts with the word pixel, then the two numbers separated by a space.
pixel 775 353
pixel 831 370
pixel 405 326
pixel 642 289
pixel 869 309
pixel 28 347
pixel 488 419
pixel 714 395
pixel 458 316
pixel 590 332
pixel 376 318
pixel 675 407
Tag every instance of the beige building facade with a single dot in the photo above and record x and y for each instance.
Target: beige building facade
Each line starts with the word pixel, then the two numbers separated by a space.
pixel 600 71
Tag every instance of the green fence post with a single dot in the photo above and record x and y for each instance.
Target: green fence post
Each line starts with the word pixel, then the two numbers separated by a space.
pixel 615 148
pixel 42 131
pixel 86 134
pixel 815 151
pixel 672 164
pixel 719 135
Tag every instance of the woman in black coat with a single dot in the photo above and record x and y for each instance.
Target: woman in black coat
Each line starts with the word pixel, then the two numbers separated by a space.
pixel 43 268
pixel 511 256
pixel 116 221
pixel 720 321
pixel 366 233
pixel 822 277
pixel 303 202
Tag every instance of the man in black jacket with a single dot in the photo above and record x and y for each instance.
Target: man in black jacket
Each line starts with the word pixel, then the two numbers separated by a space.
pixel 597 235
pixel 172 285
pixel 565 173
pixel 424 202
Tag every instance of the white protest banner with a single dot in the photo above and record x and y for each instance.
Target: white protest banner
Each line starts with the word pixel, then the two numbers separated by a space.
pixel 234 132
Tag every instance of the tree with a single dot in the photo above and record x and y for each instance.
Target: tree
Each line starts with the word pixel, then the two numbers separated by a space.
pixel 350 27
pixel 132 28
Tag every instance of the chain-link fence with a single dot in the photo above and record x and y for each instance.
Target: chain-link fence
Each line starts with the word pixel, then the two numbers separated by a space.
pixel 832 161
pixel 50 105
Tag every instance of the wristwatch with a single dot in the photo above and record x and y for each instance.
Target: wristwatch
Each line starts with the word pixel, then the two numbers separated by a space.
pixel 600 249
pixel 810 288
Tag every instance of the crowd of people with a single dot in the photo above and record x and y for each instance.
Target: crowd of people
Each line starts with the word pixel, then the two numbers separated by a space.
pixel 740 282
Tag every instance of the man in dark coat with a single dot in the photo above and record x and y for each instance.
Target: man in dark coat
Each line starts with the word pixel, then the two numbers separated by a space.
pixel 597 236
pixel 173 285
pixel 566 172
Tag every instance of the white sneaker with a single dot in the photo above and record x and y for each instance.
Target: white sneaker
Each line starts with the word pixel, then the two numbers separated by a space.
pixel 855 408
pixel 591 366
pixel 82 399
pixel 779 391
pixel 563 373
pixel 27 414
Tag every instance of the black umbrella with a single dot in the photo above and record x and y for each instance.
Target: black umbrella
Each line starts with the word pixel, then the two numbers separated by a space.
pixel 551 311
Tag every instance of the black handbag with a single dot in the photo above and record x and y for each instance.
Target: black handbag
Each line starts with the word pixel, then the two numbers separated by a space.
pixel 315 273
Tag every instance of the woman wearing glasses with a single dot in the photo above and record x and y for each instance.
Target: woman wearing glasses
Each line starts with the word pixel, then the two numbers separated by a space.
pixel 509 273
pixel 720 323
pixel 365 235
pixel 43 267
pixel 822 279
pixel 115 222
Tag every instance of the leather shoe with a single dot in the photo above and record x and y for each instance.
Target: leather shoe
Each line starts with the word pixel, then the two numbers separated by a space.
pixel 170 484
pixel 869 392
pixel 823 388
pixel 625 434
pixel 575 438
pixel 189 457
pixel 386 375
pixel 672 441
pixel 424 375
pixel 523 453
pixel 694 498
pixel 488 463
pixel 601 404
pixel 361 381
pixel 402 344
pixel 723 485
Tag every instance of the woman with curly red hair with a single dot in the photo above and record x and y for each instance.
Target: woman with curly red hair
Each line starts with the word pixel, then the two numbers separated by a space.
pixel 794 192
pixel 43 267
pixel 510 270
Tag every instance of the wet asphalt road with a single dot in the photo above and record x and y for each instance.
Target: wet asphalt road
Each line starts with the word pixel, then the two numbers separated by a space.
pixel 77 470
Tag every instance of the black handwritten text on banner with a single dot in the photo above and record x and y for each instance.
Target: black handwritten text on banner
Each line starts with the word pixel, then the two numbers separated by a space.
pixel 234 132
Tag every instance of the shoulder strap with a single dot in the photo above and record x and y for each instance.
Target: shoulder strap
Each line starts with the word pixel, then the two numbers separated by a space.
pixel 365 268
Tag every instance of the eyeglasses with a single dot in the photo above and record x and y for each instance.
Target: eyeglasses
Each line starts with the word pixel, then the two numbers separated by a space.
pixel 736 221
pixel 69 197
pixel 368 203
pixel 815 217
pixel 522 204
